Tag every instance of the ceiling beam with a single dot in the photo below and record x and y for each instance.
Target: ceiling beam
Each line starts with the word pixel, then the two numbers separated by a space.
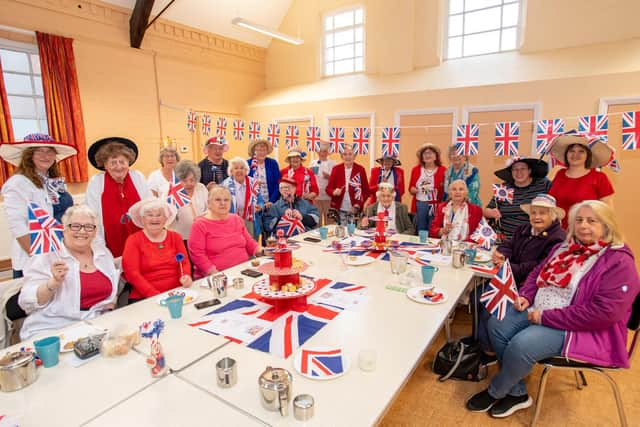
pixel 138 21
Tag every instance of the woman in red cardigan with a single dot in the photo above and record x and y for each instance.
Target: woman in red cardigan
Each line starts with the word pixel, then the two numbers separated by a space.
pixel 426 185
pixel 390 172
pixel 456 219
pixel 348 178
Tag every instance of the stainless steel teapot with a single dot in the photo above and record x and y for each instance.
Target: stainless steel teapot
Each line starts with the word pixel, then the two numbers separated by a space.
pixel 275 389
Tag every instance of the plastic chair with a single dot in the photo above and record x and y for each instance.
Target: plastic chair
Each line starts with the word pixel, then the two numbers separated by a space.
pixel 578 367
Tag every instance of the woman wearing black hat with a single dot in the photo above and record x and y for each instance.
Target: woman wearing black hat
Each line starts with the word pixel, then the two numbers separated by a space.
pixel 526 177
pixel 389 172
pixel 111 193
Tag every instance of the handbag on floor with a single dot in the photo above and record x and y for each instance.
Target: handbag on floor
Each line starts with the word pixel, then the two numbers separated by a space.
pixel 460 360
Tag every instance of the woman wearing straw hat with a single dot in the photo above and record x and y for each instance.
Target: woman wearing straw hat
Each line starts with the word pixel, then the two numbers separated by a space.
pixel 390 172
pixel 580 180
pixel 264 169
pixel 426 185
pixel 307 186
pixel 155 258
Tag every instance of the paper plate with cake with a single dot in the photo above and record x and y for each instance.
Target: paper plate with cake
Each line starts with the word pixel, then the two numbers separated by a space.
pixel 357 259
pixel 190 295
pixel 427 295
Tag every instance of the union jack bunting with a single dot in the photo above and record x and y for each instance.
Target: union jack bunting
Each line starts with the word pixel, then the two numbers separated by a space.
pixel 290 226
pixel 313 139
pixel 206 124
pixel 254 131
pixel 507 138
pixel 390 145
pixel 484 235
pixel 192 121
pixel 614 165
pixel 630 130
pixel 238 129
pixel 45 233
pixel 356 183
pixel 321 363
pixel 336 140
pixel 177 195
pixel 503 193
pixel 467 140
pixel 502 292
pixel 221 127
pixel 594 126
pixel 291 136
pixel 546 132
pixel 273 134
pixel 361 140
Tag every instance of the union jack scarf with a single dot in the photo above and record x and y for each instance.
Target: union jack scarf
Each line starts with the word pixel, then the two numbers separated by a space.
pixel 356 183
pixel 252 197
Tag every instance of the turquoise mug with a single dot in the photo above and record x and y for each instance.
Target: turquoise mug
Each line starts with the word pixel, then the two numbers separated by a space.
pixel 174 304
pixel 48 350
pixel 427 273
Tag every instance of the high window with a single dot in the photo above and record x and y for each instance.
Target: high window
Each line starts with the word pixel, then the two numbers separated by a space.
pixel 343 42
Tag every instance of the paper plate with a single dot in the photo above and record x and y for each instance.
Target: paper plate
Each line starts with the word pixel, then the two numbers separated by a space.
pixel 321 363
pixel 358 260
pixel 482 257
pixel 68 338
pixel 262 288
pixel 418 295
pixel 364 233
pixel 190 295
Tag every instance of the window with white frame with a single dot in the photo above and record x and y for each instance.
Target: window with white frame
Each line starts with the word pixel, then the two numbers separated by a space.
pixel 478 27
pixel 343 42
pixel 23 80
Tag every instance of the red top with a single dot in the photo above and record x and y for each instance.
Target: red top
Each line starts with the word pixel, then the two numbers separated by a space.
pixel 305 180
pixel 116 200
pixel 398 174
pixel 94 288
pixel 475 215
pixel 337 180
pixel 438 184
pixel 151 267
pixel 568 191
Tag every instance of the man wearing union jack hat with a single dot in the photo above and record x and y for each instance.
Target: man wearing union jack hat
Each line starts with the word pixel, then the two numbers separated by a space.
pixel 290 204
pixel 213 168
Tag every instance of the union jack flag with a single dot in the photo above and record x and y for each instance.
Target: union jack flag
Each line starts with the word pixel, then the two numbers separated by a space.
pixel 254 163
pixel 177 195
pixel 596 126
pixel 507 137
pixel 254 131
pixel 336 140
pixel 361 140
pixel 273 134
pixel 321 363
pixel 546 132
pixel 356 183
pixel 630 130
pixel 221 127
pixel 290 226
pixel 238 129
pixel 503 193
pixel 45 233
pixel 484 234
pixel 390 141
pixel 614 165
pixel 313 139
pixel 467 140
pixel 502 292
pixel 192 121
pixel 292 136
pixel 206 124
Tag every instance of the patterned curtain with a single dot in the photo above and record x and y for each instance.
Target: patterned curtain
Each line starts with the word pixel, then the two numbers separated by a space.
pixel 6 129
pixel 62 101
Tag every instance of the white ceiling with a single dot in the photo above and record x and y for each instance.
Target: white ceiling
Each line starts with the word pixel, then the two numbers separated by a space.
pixel 215 16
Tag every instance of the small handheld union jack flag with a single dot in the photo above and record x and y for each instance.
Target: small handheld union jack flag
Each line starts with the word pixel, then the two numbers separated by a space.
pixel 546 132
pixel 291 136
pixel 507 138
pixel 596 126
pixel 45 233
pixel 336 140
pixel 356 183
pixel 313 139
pixel 484 234
pixel 467 140
pixel 614 165
pixel 502 292
pixel 177 195
pixel 192 121
pixel 206 124
pixel 254 131
pixel 273 134
pixel 321 363
pixel 503 193
pixel 221 127
pixel 238 129
pixel 290 226
pixel 361 140
pixel 390 145
pixel 630 130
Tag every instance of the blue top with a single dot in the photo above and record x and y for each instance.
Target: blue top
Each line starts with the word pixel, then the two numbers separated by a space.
pixel 273 177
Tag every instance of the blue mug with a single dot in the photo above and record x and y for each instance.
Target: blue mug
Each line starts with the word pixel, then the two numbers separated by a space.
pixel 427 273
pixel 48 350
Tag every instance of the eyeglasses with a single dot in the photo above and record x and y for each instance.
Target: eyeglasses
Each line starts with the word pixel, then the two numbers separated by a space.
pixel 77 227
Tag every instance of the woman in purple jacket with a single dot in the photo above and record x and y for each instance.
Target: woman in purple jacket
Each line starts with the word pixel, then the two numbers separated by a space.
pixel 575 304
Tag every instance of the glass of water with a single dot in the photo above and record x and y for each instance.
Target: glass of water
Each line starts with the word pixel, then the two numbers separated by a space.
pixel 398 261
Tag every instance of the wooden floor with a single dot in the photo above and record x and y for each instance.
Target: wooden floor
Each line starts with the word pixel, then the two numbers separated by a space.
pixel 425 401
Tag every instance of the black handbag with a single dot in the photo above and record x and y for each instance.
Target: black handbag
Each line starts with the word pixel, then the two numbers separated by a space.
pixel 460 360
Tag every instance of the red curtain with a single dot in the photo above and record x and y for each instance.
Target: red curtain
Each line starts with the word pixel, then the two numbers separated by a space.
pixel 62 101
pixel 6 129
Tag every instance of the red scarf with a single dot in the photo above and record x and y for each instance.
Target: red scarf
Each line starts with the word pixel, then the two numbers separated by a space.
pixel 560 270
pixel 116 200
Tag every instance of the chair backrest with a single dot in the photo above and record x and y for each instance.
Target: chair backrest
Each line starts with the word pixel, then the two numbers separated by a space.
pixel 634 324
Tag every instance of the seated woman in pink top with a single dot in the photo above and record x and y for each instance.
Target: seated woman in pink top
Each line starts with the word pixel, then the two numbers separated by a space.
pixel 219 239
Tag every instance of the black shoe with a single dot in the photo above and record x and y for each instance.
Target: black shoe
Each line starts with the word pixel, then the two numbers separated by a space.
pixel 481 402
pixel 488 359
pixel 510 404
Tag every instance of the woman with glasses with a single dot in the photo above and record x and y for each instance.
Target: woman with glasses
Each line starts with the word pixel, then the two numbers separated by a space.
pixel 77 283
pixel 111 193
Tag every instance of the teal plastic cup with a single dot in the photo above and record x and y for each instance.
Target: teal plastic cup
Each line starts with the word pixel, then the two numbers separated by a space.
pixel 48 350
pixel 174 304
pixel 351 228
pixel 427 273
pixel 423 234
pixel 324 232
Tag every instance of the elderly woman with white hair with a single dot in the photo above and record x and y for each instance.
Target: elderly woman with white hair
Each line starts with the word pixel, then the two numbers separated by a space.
pixel 188 173
pixel 160 179
pixel 396 213
pixel 457 218
pixel 154 259
pixel 77 283
pixel 246 198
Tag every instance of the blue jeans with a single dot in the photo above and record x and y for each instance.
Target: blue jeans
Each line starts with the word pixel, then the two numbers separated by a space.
pixel 519 345
pixel 423 216
pixel 482 329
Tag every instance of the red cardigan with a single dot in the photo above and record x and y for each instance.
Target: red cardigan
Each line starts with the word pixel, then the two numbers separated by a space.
pixel 438 183
pixel 475 215
pixel 398 181
pixel 336 180
pixel 298 175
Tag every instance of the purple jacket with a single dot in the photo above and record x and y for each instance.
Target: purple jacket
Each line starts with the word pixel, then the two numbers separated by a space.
pixel 596 320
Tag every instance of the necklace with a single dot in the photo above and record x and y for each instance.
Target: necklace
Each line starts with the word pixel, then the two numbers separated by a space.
pixel 160 246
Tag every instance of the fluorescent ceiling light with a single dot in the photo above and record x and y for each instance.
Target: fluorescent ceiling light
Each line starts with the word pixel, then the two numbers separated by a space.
pixel 266 31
